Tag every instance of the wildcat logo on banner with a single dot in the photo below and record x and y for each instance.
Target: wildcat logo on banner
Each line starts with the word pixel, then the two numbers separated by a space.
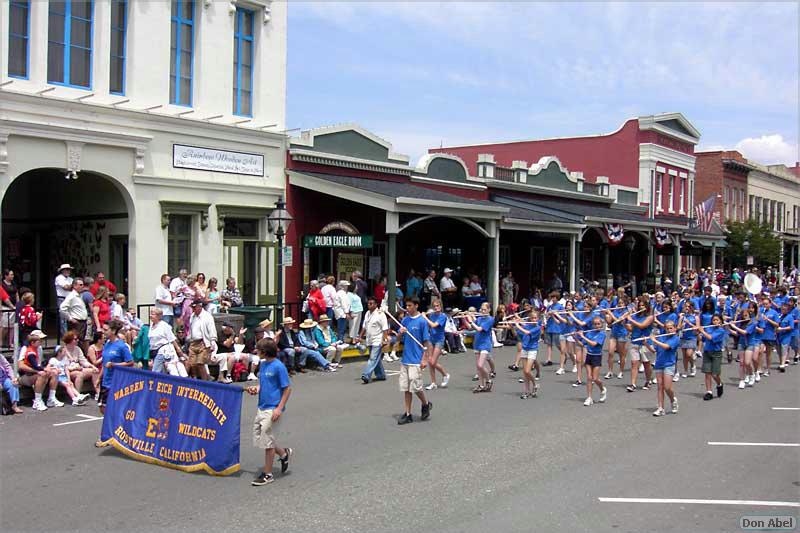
pixel 615 233
pixel 662 236
pixel 176 422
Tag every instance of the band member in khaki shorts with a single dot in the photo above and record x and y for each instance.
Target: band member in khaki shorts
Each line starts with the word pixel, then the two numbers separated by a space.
pixel 415 334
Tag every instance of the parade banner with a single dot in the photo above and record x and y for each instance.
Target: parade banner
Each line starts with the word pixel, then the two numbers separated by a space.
pixel 171 421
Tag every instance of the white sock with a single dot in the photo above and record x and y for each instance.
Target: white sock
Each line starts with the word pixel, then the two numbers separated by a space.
pixel 37 396
pixel 708 392
pixel 52 395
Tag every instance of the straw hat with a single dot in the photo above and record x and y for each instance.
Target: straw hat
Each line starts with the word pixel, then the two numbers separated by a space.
pixel 65 266
pixel 308 324
pixel 323 318
pixel 288 321
pixel 267 322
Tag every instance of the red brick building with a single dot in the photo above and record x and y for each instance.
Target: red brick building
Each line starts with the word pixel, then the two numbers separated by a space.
pixel 724 174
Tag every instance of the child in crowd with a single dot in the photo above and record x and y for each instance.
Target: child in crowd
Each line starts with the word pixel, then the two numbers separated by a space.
pixel 28 317
pixel 273 390
pixel 593 339
pixel 482 325
pixel 529 334
pixel 714 338
pixel 666 359
pixel 58 365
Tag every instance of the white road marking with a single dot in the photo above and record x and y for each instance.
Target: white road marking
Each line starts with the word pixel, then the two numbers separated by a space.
pixel 779 444
pixel 786 408
pixel 749 503
pixel 87 418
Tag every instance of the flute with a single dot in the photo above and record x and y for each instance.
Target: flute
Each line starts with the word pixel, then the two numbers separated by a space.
pixel 407 332
pixel 687 329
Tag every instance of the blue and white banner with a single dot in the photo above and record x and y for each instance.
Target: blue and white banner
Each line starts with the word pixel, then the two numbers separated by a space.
pixel 176 422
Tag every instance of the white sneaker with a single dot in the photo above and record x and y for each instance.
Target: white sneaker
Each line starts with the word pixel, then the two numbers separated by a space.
pixel 560 372
pixel 766 373
pixel 609 375
pixel 683 375
pixel 520 380
pixel 52 402
pixel 251 377
pixel 394 356
pixel 619 376
pixel 752 381
pixel 641 367
pixel 575 369
pixel 588 401
pixel 742 383
pixel 675 406
pixel 39 405
pixel 97 396
pixel 78 401
pixel 83 397
pixel 693 373
pixel 676 378
pixel 445 381
pixel 432 386
pixel 498 345
pixel 698 354
pixel 330 368
pixel 659 412
pixel 387 358
pixel 758 376
pixel 603 394
pixel 654 381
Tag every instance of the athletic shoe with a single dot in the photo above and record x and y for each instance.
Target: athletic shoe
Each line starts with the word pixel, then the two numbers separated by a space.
pixel 52 402
pixel 227 380
pixel 693 373
pixel 742 383
pixel 646 386
pixel 426 411
pixel 752 381
pixel 364 380
pixel 330 368
pixel 698 354
pixel 97 397
pixel 537 378
pixel 535 392
pixel 675 406
pixel 766 373
pixel 475 377
pixel 609 375
pixel 445 381
pixel 630 388
pixel 575 369
pixel 708 396
pixel 262 479
pixel 523 396
pixel 560 371
pixel 251 377
pixel 387 358
pixel 285 460
pixel 39 405
pixel 513 368
pixel 84 397
pixel 720 390
pixel 641 367
pixel 498 345
pixel 493 375
pixel 796 360
pixel 659 412
pixel 654 381
pixel 676 378
pixel 603 394
pixel 489 385
pixel 683 375
pixel 432 386
pixel 405 419
pixel 548 363
pixel 782 369
pixel 78 401
pixel 578 383
pixel 619 376
pixel 521 380
pixel 758 376
pixel 588 401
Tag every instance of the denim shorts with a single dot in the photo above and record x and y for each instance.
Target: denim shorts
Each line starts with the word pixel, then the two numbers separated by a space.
pixel 669 371
pixel 551 338
pixel 622 338
pixel 439 345
pixel 689 343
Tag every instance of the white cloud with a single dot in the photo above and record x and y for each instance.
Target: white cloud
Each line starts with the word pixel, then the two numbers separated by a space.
pixel 769 149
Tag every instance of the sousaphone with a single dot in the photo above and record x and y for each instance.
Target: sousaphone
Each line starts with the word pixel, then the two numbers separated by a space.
pixel 752 284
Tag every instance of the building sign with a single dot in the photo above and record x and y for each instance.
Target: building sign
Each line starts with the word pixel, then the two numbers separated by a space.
pixel 337 241
pixel 346 264
pixel 217 160
pixel 287 256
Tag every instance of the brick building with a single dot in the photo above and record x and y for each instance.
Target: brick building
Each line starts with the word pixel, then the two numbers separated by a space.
pixel 724 174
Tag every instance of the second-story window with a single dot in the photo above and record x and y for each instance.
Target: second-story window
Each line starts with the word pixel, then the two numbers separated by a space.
pixel 18 34
pixel 671 193
pixel 181 52
pixel 659 181
pixel 119 22
pixel 69 43
pixel 243 63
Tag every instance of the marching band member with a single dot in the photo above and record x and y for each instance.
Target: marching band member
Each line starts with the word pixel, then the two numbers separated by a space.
pixel 687 322
pixel 714 336
pixel 666 360
pixel 640 329
pixel 593 339
pixel 620 337
pixel 530 334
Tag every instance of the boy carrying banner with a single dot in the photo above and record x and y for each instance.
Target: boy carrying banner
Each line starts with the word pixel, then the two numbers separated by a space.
pixel 273 392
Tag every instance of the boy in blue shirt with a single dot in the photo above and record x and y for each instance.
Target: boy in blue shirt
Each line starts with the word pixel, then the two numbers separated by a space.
pixel 666 357
pixel 714 336
pixel 274 388
pixel 414 329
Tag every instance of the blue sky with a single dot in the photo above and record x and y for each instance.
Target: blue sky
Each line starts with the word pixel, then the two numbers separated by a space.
pixel 421 74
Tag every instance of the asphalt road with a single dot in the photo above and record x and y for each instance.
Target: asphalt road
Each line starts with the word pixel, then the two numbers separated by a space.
pixel 482 462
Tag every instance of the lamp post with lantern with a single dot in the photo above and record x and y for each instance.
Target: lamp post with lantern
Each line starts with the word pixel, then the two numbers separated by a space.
pixel 278 222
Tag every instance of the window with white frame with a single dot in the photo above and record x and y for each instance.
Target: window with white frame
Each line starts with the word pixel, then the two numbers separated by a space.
pixel 243 41
pixel 682 205
pixel 733 204
pixel 659 182
pixel 671 194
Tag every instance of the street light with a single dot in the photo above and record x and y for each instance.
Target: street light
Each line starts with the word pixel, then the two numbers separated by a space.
pixel 278 222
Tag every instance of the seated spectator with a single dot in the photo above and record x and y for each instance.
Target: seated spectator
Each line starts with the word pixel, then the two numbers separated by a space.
pixel 475 285
pixel 394 338
pixel 10 384
pixel 213 297
pixel 307 341
pixel 78 366
pixel 290 351
pixel 466 291
pixel 59 365
pixel 230 295
pixel 95 351
pixel 226 354
pixel 201 287
pixel 165 351
pixel 33 374
pixel 328 343
pixel 452 336
pixel 28 317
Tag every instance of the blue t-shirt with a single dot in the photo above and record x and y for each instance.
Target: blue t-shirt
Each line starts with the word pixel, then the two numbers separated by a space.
pixel 641 332
pixel 553 325
pixel 753 337
pixel 705 319
pixel 666 317
pixel 795 313
pixel 530 341
pixel 618 328
pixel 437 333
pixel 595 336
pixel 717 339
pixel 413 286
pixel 114 352
pixel 483 338
pixel 273 378
pixel 418 328
pixel 666 357
pixel 769 329
pixel 689 321
pixel 784 337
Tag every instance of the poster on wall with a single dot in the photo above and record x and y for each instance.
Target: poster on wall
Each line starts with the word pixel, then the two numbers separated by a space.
pixel 374 266
pixel 347 263
pixel 225 161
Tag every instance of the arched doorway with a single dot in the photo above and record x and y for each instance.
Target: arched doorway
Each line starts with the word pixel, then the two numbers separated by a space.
pixel 49 218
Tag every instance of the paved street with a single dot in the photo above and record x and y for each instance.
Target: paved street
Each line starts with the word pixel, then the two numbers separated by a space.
pixel 482 462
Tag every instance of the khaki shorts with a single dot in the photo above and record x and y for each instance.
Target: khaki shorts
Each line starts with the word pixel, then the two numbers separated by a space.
pixel 27 380
pixel 264 429
pixel 198 353
pixel 410 378
pixel 639 353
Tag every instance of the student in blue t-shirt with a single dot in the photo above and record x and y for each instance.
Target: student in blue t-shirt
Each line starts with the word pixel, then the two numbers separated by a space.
pixel 583 319
pixel 553 329
pixel 666 358
pixel 482 325
pixel 768 323
pixel 785 331
pixel 714 339
pixel 620 336
pixel 746 329
pixel 414 332
pixel 436 322
pixel 640 352
pixel 529 332
pixel 593 339
pixel 687 323
pixel 273 389
pixel 115 353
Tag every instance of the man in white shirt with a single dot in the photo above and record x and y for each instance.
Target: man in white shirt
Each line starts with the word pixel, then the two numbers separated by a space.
pixel 375 333
pixel 176 289
pixel 447 288
pixel 164 300
pixel 63 285
pixel 74 311
pixel 341 309
pixel 329 293
pixel 202 339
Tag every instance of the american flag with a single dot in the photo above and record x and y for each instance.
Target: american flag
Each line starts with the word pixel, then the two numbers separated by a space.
pixel 704 213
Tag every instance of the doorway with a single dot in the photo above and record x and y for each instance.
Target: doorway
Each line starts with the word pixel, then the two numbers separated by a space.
pixel 118 261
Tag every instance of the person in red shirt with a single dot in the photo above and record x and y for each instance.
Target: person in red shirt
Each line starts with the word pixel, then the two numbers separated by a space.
pixel 101 309
pixel 28 317
pixel 380 289
pixel 316 301
pixel 101 281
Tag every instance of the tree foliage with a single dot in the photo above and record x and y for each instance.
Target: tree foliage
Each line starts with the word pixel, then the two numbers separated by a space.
pixel 765 247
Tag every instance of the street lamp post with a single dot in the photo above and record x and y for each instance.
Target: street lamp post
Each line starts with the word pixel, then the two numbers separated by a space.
pixel 279 221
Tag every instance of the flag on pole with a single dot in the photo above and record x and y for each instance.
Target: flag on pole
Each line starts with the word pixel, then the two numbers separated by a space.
pixel 704 213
